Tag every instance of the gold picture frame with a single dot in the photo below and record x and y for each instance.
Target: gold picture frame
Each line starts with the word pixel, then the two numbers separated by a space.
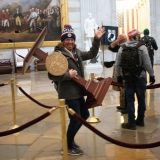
pixel 11 40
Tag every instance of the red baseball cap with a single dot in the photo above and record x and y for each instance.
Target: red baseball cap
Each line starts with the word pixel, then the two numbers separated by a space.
pixel 133 33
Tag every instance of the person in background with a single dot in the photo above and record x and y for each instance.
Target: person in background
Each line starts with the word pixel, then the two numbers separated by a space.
pixel 32 20
pixel 67 88
pixel 135 84
pixel 150 43
pixel 18 19
pixel 114 47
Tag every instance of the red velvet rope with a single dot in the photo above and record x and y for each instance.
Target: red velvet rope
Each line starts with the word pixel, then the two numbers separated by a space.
pixel 34 100
pixel 123 144
pixel 3 84
pixel 26 125
pixel 150 86
pixel 153 86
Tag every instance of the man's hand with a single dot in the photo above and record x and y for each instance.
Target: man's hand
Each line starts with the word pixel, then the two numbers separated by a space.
pixel 73 73
pixel 152 79
pixel 100 32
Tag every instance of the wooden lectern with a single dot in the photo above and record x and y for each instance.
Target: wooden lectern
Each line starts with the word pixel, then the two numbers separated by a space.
pixel 96 91
pixel 35 51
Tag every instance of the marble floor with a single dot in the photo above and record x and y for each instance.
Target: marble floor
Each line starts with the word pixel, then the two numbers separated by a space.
pixel 43 141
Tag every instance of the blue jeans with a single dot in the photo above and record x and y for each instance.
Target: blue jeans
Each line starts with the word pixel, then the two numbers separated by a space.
pixel 138 86
pixel 78 105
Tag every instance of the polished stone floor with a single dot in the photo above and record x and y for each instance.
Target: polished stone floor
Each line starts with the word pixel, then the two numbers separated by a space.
pixel 43 141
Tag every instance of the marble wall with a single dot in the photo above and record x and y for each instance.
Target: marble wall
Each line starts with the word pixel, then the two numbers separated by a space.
pixel 104 12
pixel 78 12
pixel 155 25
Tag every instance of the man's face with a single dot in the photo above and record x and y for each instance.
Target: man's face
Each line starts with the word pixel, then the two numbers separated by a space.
pixel 69 43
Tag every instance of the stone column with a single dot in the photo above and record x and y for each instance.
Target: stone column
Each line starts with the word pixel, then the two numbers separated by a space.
pixel 155 26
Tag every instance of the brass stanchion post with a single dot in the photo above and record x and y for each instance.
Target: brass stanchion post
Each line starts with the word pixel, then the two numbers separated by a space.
pixel 93 118
pixel 63 129
pixel 13 104
pixel 148 94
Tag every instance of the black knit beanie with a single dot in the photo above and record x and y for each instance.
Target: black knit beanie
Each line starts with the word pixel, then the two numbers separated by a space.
pixel 68 32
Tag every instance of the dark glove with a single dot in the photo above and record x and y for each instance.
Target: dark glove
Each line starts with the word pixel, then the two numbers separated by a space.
pixel 120 79
pixel 152 79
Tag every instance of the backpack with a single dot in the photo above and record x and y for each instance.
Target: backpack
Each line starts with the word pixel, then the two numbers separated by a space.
pixel 130 62
pixel 148 43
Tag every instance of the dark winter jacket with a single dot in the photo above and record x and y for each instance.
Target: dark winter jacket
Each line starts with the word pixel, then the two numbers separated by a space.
pixel 151 42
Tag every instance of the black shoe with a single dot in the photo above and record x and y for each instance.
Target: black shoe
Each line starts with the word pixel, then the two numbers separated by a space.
pixel 124 111
pixel 76 146
pixel 75 152
pixel 120 107
pixel 140 123
pixel 129 126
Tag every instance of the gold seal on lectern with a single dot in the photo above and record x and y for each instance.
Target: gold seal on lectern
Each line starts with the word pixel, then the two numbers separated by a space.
pixel 56 63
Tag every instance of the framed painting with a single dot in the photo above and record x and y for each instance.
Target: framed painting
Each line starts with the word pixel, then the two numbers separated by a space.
pixel 110 35
pixel 23 20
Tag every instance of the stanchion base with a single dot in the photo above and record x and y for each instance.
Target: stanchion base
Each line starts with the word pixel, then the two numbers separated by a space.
pixel 93 120
pixel 15 126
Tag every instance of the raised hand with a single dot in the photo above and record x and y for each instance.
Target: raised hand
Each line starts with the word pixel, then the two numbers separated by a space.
pixel 100 32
